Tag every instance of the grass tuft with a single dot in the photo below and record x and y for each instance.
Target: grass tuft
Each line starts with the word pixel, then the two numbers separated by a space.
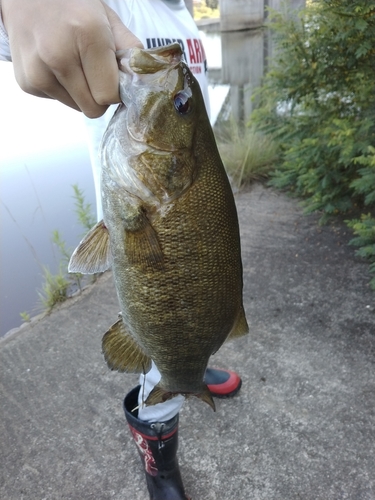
pixel 247 155
pixel 54 288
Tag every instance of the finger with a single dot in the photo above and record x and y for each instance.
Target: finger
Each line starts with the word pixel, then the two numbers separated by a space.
pixel 69 87
pixel 72 89
pixel 83 82
pixel 100 64
pixel 90 74
pixel 41 82
pixel 123 37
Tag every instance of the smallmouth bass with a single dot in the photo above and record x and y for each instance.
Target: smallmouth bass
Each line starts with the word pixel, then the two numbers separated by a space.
pixel 170 228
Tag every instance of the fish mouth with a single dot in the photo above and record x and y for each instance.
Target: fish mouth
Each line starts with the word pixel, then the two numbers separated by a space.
pixel 140 61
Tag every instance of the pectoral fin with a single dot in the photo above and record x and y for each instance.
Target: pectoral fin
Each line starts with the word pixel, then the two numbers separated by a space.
pixel 121 351
pixel 240 326
pixel 142 245
pixel 92 255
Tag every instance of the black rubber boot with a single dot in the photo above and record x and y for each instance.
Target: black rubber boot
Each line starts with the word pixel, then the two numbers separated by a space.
pixel 157 445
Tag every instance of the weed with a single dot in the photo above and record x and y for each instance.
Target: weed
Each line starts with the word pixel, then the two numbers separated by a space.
pixel 54 289
pixel 75 279
pixel 247 155
pixel 82 209
pixel 58 287
pixel 25 317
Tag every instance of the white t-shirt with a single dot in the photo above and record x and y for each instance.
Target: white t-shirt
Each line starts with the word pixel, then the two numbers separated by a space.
pixel 155 23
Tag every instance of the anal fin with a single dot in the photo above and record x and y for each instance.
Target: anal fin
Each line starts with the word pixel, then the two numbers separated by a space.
pixel 93 254
pixel 121 351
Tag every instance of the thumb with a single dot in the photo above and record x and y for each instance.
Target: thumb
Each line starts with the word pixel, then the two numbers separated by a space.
pixel 123 38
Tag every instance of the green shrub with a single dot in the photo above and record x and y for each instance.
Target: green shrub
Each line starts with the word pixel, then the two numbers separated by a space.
pixel 318 102
pixel 364 228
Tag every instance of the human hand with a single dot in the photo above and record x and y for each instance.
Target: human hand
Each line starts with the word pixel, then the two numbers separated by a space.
pixel 65 50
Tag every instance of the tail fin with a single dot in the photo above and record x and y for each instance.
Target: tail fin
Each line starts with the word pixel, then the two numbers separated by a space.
pixel 206 396
pixel 160 395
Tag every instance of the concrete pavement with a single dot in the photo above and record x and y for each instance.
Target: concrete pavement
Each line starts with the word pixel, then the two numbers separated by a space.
pixel 302 426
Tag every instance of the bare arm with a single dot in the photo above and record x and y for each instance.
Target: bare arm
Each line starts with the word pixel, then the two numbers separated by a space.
pixel 65 50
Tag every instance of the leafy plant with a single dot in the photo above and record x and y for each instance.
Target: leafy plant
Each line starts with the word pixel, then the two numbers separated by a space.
pixel 212 4
pixel 207 11
pixel 365 182
pixel 364 228
pixel 318 101
pixel 75 279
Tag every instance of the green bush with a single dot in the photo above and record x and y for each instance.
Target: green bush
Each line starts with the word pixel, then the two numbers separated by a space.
pixel 364 228
pixel 319 99
pixel 318 102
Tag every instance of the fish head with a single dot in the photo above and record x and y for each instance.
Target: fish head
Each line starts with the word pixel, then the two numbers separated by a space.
pixel 162 97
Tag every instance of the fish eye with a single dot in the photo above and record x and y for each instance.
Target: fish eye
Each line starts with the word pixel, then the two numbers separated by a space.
pixel 182 102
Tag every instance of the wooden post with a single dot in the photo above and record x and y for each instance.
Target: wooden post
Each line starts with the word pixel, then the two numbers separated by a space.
pixel 236 15
pixel 241 14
